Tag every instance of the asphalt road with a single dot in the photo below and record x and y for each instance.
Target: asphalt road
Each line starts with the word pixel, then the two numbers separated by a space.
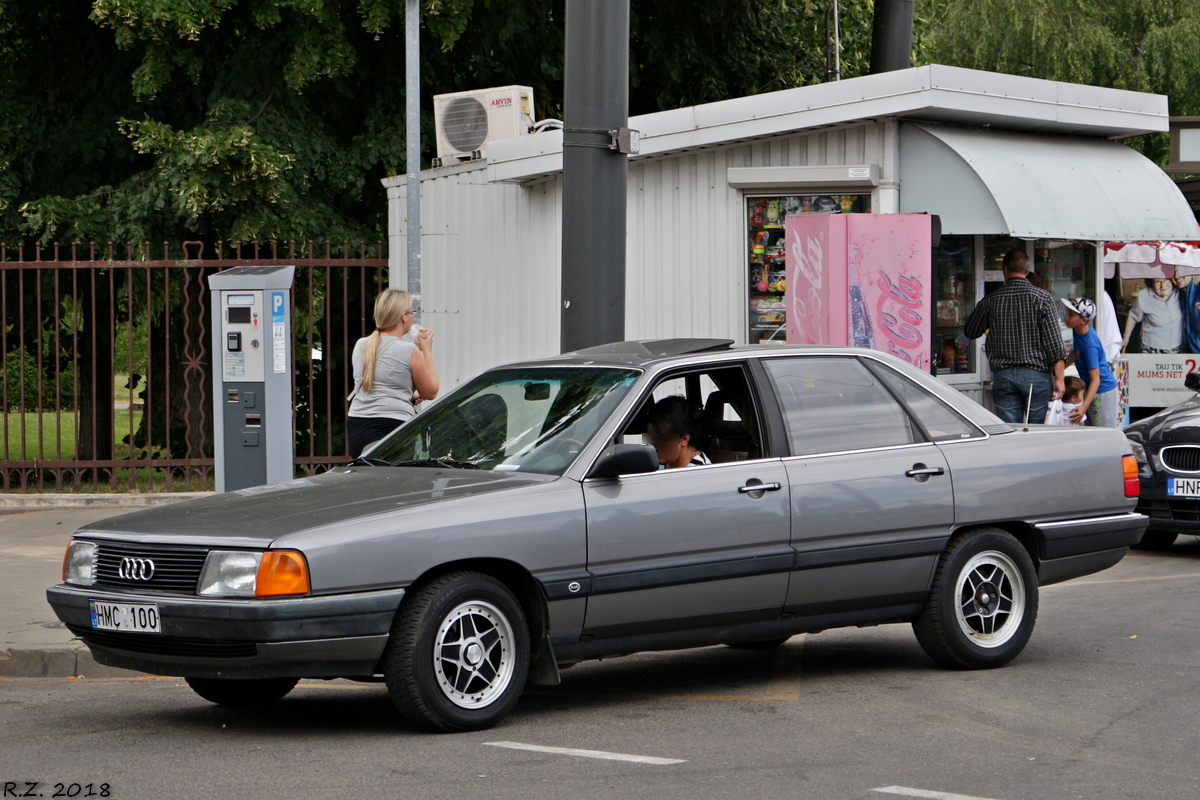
pixel 1104 703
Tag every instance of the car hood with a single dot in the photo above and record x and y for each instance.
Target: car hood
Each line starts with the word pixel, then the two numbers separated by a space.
pixel 260 514
pixel 1176 425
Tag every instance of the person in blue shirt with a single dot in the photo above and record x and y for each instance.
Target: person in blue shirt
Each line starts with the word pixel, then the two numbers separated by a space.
pixel 1100 400
pixel 1189 296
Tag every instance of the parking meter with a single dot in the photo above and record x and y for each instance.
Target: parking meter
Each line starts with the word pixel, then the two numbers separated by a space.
pixel 252 376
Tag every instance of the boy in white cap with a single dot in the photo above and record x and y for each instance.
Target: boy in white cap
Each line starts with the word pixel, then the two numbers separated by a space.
pixel 1100 396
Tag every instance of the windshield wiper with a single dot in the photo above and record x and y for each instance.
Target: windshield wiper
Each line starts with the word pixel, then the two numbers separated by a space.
pixel 438 462
pixel 367 461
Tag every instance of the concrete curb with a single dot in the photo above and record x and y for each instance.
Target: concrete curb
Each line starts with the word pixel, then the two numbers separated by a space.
pixel 48 502
pixel 56 661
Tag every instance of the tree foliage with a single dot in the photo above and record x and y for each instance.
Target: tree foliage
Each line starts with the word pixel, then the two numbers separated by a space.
pixel 276 119
pixel 1140 45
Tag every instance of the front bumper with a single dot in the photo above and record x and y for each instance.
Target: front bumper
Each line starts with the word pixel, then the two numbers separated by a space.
pixel 1168 514
pixel 303 637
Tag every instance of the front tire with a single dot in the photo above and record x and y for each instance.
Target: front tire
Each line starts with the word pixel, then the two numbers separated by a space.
pixel 241 692
pixel 983 605
pixel 458 655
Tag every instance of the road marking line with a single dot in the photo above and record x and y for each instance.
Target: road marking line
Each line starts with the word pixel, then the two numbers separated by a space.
pixel 570 751
pixel 907 792
pixel 1130 580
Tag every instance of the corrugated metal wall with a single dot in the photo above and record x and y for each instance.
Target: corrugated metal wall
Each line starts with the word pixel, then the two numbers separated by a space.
pixel 490 252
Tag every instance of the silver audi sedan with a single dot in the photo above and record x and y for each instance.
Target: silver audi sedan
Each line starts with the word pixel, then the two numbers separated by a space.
pixel 524 523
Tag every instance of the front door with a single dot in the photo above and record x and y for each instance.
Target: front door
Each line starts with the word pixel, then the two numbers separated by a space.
pixel 687 548
pixel 692 546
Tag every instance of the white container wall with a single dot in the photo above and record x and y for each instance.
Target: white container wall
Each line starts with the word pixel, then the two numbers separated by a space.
pixel 491 251
pixel 490 282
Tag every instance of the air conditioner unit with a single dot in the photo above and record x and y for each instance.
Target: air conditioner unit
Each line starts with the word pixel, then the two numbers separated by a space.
pixel 466 121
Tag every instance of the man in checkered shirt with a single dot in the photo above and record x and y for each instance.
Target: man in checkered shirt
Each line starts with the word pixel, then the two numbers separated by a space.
pixel 1024 344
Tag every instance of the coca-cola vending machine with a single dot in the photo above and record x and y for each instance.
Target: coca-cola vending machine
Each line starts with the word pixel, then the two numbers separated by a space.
pixel 862 280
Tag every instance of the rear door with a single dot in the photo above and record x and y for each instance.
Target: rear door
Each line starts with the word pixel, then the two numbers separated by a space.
pixel 871 497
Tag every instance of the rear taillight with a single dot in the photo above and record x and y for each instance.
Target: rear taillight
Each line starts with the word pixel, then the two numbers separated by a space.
pixel 1129 466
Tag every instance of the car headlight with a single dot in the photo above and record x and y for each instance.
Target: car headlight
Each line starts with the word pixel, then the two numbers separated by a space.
pixel 1143 459
pixel 239 573
pixel 79 563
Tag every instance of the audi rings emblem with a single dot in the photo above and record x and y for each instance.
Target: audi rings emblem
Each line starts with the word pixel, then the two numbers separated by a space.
pixel 136 569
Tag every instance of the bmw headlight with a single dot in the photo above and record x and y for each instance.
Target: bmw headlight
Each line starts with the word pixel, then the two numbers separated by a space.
pixel 1143 459
pixel 79 563
pixel 240 573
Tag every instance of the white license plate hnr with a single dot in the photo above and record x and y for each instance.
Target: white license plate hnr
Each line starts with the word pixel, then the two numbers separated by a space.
pixel 132 617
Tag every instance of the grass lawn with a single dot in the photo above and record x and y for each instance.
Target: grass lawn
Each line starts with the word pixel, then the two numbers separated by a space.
pixel 50 436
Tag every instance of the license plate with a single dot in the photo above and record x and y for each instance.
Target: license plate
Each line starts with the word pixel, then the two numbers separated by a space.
pixel 1183 487
pixel 133 617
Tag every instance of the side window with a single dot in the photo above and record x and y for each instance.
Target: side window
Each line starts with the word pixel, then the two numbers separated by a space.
pixel 722 401
pixel 834 404
pixel 940 422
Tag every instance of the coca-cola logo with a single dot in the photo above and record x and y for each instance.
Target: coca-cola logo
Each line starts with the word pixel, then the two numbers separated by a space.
pixel 898 310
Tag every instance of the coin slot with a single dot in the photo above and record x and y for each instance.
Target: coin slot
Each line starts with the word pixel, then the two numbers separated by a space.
pixel 254 420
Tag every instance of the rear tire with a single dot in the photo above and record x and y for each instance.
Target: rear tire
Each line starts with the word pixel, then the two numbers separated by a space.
pixel 458 655
pixel 983 605
pixel 1156 540
pixel 242 692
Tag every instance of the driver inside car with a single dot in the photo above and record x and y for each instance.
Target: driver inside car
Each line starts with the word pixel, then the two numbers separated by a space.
pixel 675 428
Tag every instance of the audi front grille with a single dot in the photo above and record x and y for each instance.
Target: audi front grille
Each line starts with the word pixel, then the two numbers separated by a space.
pixel 175 570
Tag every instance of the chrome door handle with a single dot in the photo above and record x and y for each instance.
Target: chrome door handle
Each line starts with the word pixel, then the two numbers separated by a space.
pixel 759 487
pixel 915 471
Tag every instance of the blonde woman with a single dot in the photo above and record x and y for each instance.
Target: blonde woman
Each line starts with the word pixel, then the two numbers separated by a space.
pixel 391 375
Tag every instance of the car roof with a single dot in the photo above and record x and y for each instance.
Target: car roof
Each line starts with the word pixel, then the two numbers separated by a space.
pixel 646 353
pixel 652 355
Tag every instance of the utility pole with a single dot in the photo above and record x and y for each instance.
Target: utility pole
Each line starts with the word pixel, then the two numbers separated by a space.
pixel 412 139
pixel 891 35
pixel 595 143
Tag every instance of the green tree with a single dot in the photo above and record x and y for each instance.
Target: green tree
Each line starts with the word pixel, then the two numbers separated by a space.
pixel 276 119
pixel 1140 45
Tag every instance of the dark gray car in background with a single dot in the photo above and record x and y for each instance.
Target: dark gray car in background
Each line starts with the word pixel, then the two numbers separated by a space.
pixel 1167 447
pixel 520 525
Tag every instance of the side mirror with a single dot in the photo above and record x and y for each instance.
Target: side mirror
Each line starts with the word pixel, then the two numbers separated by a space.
pixel 625 459
pixel 1192 381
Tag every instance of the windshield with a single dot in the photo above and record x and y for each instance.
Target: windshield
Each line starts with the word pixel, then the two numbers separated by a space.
pixel 531 420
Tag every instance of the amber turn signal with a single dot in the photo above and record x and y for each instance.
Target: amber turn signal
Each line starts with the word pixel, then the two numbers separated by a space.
pixel 1133 486
pixel 281 572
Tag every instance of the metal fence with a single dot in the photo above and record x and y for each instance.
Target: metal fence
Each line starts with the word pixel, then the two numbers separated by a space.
pixel 107 369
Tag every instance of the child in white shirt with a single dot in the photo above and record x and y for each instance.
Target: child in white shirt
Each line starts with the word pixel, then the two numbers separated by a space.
pixel 1072 397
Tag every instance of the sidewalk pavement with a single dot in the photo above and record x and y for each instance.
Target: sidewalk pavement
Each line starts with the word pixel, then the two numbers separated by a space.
pixel 34 530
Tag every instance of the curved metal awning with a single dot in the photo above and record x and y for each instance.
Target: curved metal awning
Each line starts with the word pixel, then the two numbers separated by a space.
pixel 1038 186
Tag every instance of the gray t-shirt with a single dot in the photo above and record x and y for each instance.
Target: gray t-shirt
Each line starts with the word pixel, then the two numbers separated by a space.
pixel 392 395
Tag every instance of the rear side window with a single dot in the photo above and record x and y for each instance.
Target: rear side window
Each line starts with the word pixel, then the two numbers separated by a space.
pixel 836 404
pixel 942 424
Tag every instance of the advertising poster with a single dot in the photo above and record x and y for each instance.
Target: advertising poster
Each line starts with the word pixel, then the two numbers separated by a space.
pixel 861 280
pixel 1158 312
pixel 1160 325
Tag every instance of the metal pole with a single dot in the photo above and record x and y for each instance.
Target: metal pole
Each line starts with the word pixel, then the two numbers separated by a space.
pixel 412 137
pixel 837 42
pixel 891 35
pixel 595 105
